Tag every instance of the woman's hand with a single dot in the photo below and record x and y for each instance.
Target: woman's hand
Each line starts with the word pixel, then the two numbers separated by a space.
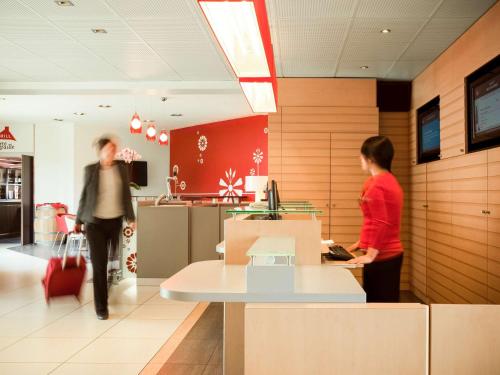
pixel 77 228
pixel 132 225
pixel 363 259
pixel 353 247
pixel 369 257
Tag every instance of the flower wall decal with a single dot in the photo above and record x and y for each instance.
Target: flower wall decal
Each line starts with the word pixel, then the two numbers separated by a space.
pixel 128 155
pixel 132 263
pixel 202 143
pixel 258 156
pixel 230 187
pixel 252 172
pixel 183 185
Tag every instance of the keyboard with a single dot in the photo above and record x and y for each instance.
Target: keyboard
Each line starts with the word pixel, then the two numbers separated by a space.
pixel 337 252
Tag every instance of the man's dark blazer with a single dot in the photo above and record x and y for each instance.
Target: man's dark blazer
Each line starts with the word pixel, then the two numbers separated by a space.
pixel 88 199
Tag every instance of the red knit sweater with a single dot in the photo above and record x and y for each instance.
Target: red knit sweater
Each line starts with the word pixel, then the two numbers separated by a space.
pixel 381 203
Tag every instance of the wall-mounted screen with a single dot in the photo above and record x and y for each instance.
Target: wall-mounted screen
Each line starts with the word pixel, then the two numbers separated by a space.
pixel 483 106
pixel 429 131
pixel 139 173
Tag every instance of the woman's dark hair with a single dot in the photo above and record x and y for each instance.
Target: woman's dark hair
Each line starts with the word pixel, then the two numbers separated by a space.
pixel 379 149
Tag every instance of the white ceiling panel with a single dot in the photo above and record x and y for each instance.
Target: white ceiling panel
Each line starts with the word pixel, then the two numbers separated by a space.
pixel 308 68
pixel 24 30
pixel 81 30
pixel 11 9
pixel 136 9
pixel 82 9
pixel 8 75
pixel 463 8
pixel 351 68
pixel 396 8
pixel 38 69
pixel 314 9
pixel 406 70
pixel 438 32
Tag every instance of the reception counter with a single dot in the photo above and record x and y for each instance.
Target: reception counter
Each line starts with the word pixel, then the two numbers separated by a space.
pixel 171 236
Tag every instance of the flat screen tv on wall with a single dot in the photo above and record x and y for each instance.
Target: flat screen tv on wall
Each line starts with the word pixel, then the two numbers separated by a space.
pixel 483 106
pixel 429 131
pixel 139 173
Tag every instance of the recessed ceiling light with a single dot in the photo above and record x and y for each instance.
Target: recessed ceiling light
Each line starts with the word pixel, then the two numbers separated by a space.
pixel 58 119
pixel 3 98
pixel 149 121
pixel 164 99
pixel 104 106
pixel 385 31
pixel 64 3
pixel 99 31
pixel 364 67
pixel 176 114
pixel 79 113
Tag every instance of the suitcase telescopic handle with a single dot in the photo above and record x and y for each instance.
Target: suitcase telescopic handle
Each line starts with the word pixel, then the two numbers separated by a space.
pixel 65 256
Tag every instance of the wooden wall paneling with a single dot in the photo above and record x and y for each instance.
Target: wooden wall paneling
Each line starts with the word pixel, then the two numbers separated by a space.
pixel 418 230
pixel 306 172
pixel 439 230
pixel 324 339
pixel 330 119
pixel 452 116
pixel 494 225
pixel 469 224
pixel 464 339
pixel 395 126
pixel 274 146
pixel 325 92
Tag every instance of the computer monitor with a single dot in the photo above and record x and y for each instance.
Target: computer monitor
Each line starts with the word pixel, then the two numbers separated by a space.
pixel 429 131
pixel 273 200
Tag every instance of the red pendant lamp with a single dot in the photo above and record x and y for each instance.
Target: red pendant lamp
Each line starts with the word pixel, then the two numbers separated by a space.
pixel 163 138
pixel 151 133
pixel 135 124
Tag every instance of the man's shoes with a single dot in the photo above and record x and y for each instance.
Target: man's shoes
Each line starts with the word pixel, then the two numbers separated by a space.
pixel 103 315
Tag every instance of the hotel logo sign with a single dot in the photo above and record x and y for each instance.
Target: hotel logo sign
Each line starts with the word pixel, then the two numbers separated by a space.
pixel 16 139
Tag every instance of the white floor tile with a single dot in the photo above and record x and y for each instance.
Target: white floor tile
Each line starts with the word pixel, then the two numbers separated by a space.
pixel 132 295
pixel 20 327
pixel 42 310
pixel 68 327
pixel 27 368
pixel 109 350
pixel 135 328
pixel 169 311
pixel 42 350
pixel 6 341
pixel 115 311
pixel 99 369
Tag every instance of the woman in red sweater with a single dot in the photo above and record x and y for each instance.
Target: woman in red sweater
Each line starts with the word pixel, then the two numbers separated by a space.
pixel 381 203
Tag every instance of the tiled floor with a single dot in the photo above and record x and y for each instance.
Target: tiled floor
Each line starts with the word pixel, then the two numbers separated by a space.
pixel 66 337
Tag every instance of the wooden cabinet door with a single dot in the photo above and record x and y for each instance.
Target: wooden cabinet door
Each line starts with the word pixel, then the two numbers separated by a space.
pixel 439 234
pixel 469 226
pixel 305 167
pixel 418 230
pixel 494 225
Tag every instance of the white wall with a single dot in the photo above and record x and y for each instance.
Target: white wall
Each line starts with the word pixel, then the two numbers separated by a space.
pixel 158 157
pixel 54 164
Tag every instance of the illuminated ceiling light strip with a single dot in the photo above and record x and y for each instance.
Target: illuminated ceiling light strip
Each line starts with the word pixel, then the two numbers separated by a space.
pixel 260 96
pixel 236 27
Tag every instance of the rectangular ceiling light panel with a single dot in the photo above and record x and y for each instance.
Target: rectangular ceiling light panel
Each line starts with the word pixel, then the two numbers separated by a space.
pixel 260 96
pixel 235 25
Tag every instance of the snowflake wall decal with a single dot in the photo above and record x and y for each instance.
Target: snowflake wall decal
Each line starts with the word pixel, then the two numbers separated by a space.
pixel 202 143
pixel 252 171
pixel 230 187
pixel 266 130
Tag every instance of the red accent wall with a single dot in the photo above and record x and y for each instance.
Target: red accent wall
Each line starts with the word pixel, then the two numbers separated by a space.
pixel 239 145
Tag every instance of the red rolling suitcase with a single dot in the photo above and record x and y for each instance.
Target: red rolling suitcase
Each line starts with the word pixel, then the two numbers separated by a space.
pixel 64 277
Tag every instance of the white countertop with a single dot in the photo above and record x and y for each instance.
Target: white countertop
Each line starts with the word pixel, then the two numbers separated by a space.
pixel 213 281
